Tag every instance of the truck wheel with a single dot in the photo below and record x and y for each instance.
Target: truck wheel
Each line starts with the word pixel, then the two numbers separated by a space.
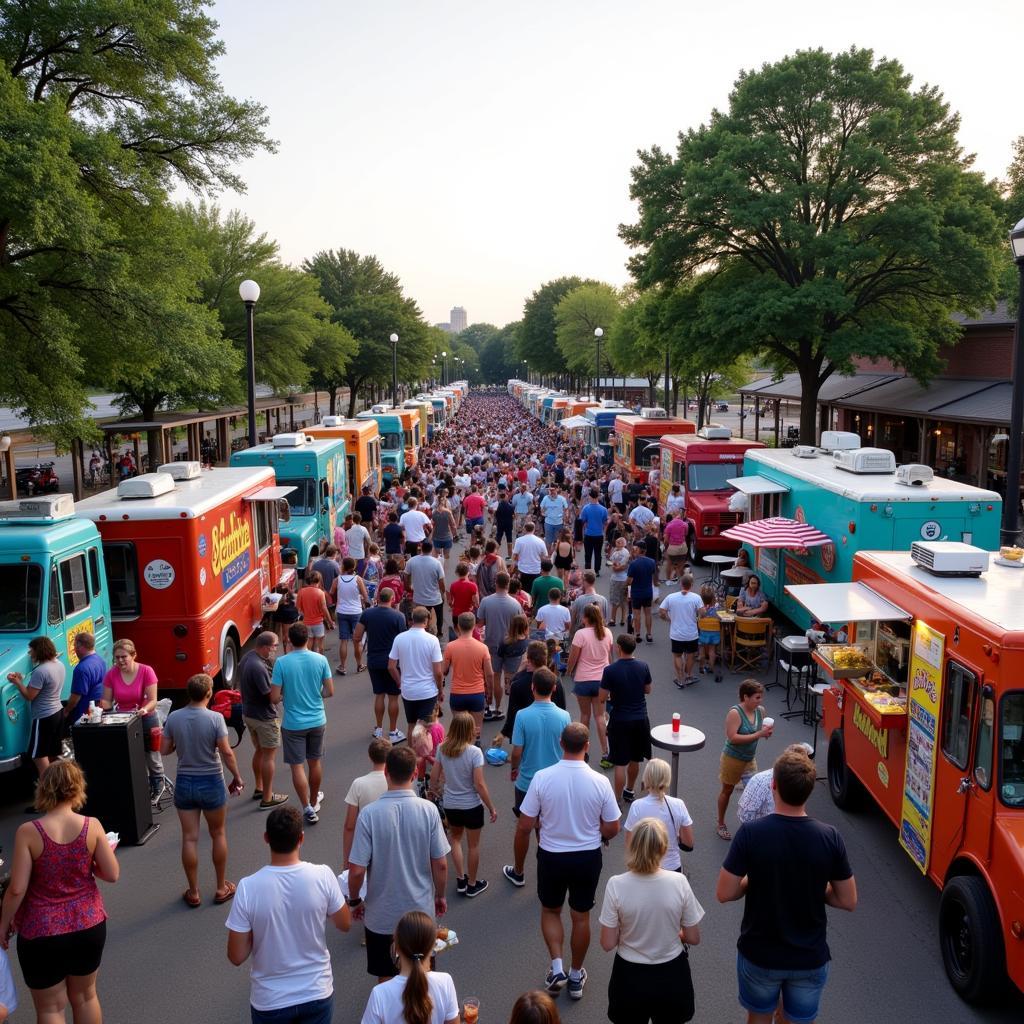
pixel 971 940
pixel 228 676
pixel 845 788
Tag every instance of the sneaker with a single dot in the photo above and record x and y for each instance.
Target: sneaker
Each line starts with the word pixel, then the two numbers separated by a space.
pixel 516 878
pixel 488 715
pixel 396 735
pixel 461 884
pixel 272 800
pixel 378 733
pixel 605 762
pixel 554 983
pixel 497 715
pixel 156 792
pixel 576 984
pixel 311 816
pixel 628 796
pixel 476 888
pixel 319 801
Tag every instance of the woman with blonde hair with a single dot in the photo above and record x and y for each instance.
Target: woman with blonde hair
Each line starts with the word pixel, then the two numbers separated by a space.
pixel 669 810
pixel 417 994
pixel 53 902
pixel 460 767
pixel 649 917
pixel 589 656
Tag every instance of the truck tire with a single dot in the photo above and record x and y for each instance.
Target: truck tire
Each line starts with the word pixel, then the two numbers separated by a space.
pixel 845 788
pixel 227 678
pixel 971 940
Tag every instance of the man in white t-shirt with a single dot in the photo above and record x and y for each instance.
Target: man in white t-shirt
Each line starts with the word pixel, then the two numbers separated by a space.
pixel 358 539
pixel 682 611
pixel 554 616
pixel 576 810
pixel 278 916
pixel 533 474
pixel 615 493
pixel 416 525
pixel 415 664
pixel 363 791
pixel 639 517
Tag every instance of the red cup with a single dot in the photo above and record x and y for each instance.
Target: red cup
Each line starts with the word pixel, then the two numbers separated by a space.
pixel 676 721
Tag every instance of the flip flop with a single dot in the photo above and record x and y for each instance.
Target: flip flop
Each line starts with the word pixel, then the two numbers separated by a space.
pixel 191 900
pixel 723 833
pixel 230 887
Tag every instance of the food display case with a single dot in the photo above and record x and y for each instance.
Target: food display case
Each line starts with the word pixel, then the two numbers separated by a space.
pixel 874 668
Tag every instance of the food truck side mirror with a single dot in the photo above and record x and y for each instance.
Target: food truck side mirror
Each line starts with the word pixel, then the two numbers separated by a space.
pixel 284 510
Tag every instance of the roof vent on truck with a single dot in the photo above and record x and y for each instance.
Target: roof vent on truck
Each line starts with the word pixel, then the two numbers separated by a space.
pixel 715 433
pixel 839 440
pixel 332 421
pixel 949 558
pixel 146 485
pixel 48 507
pixel 805 451
pixel 913 475
pixel 865 460
pixel 649 412
pixel 182 470
pixel 296 440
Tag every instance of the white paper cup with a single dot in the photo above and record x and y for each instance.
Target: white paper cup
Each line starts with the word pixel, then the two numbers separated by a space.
pixel 768 722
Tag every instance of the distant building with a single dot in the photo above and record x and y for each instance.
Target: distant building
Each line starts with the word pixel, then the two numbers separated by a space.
pixel 459 322
pixel 447 328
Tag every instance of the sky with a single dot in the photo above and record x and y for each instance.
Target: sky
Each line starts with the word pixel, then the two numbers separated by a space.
pixel 479 148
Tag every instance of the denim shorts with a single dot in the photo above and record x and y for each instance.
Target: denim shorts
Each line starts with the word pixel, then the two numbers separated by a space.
pixel 318 631
pixel 443 545
pixel 347 626
pixel 466 702
pixel 199 792
pixel 316 1011
pixel 760 987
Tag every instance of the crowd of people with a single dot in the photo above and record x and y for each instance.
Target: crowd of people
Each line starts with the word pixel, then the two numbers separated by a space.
pixel 496 637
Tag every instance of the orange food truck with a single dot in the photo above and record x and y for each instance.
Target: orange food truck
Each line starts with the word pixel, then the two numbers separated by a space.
pixel 192 559
pixel 362 450
pixel 637 440
pixel 702 464
pixel 411 426
pixel 925 715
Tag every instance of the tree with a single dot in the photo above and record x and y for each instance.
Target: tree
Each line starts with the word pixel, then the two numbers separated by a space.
pixel 578 314
pixel 477 335
pixel 834 213
pixel 538 343
pixel 498 357
pixel 104 107
pixel 636 344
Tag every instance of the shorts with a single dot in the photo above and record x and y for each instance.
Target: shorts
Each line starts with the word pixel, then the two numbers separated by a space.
pixel 418 710
pixel 50 959
pixel 442 544
pixel 732 769
pixel 504 532
pixel 199 792
pixel 302 745
pixel 378 955
pixel 617 593
pixel 316 1011
pixel 265 733
pixel 586 687
pixel 317 632
pixel 519 795
pixel 760 988
pixel 510 666
pixel 472 818
pixel 346 626
pixel 470 523
pixel 44 737
pixel 677 552
pixel 412 547
pixel 709 638
pixel 563 563
pixel 467 702
pixel 551 532
pixel 642 602
pixel 576 873
pixel 382 681
pixel 684 646
pixel 661 993
pixel 629 742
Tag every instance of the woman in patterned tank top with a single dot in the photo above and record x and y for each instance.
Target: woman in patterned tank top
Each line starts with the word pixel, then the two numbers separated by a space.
pixel 53 902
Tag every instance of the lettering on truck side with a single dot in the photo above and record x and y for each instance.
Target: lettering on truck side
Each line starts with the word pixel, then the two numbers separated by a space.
pixel 230 555
pixel 878 738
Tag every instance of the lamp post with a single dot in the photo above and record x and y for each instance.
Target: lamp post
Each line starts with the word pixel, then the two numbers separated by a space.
pixel 598 335
pixel 1011 501
pixel 394 370
pixel 444 369
pixel 249 292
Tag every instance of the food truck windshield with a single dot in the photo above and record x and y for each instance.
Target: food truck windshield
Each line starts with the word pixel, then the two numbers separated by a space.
pixel 302 500
pixel 711 476
pixel 392 441
pixel 21 591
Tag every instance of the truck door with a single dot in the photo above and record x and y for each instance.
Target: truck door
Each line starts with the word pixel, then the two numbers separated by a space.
pixel 69 608
pixel 983 774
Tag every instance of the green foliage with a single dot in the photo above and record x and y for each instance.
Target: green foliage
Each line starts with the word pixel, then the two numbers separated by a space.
pixel 832 212
pixel 477 335
pixel 537 340
pixel 636 341
pixel 578 314
pixel 499 360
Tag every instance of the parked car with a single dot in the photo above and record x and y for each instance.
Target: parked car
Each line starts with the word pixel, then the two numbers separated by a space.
pixel 38 479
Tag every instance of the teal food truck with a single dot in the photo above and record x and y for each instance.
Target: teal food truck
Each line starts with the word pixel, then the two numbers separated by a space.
pixel 392 443
pixel 316 470
pixel 52 583
pixel 862 501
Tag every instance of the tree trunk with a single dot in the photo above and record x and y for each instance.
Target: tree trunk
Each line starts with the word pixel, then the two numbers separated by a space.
pixel 333 396
pixel 809 387
pixel 352 387
pixel 154 446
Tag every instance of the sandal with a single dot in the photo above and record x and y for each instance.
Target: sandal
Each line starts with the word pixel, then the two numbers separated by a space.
pixel 649 638
pixel 229 891
pixel 359 668
pixel 192 898
pixel 723 833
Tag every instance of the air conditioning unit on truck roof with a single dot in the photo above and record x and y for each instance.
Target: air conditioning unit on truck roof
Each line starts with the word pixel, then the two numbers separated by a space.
pixel 296 440
pixel 332 421
pixel 182 470
pixel 838 440
pixel 146 485
pixel 949 557
pixel 45 506
pixel 865 460
pixel 653 413
pixel 715 433
pixel 913 475
pixel 610 403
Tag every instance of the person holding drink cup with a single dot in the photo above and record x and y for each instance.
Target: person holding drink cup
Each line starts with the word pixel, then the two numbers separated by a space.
pixel 745 725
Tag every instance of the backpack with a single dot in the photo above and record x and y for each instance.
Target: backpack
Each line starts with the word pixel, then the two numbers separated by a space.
pixel 486 576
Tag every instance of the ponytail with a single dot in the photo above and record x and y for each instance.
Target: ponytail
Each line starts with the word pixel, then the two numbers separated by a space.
pixel 414 939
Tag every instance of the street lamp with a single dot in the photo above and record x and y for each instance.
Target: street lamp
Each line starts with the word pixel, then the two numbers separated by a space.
pixel 1011 501
pixel 444 368
pixel 394 370
pixel 249 292
pixel 598 335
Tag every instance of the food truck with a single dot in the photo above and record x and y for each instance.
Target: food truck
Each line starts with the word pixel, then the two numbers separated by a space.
pixel 392 444
pixel 925 715
pixel 861 501
pixel 426 411
pixel 362 450
pixel 192 560
pixel 702 464
pixel 601 430
pixel 52 583
pixel 315 470
pixel 410 419
pixel 637 439
pixel 438 414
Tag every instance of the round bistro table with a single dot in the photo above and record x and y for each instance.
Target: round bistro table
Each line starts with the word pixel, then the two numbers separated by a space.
pixel 687 739
pixel 716 562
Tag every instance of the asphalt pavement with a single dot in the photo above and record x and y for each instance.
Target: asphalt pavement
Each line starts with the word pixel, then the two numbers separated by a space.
pixel 166 962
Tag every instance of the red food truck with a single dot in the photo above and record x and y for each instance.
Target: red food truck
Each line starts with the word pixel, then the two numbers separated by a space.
pixel 925 716
pixel 702 464
pixel 192 558
pixel 637 439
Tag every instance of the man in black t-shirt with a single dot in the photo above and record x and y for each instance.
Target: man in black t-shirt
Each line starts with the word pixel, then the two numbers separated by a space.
pixel 366 506
pixel 625 684
pixel 381 623
pixel 504 520
pixel 789 867
pixel 520 693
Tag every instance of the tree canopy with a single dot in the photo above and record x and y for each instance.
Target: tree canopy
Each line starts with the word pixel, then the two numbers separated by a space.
pixel 578 314
pixel 832 213
pixel 537 338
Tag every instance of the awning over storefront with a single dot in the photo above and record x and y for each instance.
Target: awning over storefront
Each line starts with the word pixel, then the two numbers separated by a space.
pixel 845 602
pixel 907 397
pixel 757 485
pixel 834 388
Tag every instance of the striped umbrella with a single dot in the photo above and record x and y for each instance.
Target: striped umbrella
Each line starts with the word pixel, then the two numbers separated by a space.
pixel 777 533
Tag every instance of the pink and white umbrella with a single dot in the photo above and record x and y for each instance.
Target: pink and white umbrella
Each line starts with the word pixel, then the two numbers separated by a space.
pixel 778 532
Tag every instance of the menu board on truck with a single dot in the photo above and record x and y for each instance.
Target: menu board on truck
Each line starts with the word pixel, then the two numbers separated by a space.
pixel 925 686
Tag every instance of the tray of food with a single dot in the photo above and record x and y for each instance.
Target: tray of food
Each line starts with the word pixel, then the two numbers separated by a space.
pixel 878 682
pixel 885 703
pixel 1011 556
pixel 845 661
pixel 446 938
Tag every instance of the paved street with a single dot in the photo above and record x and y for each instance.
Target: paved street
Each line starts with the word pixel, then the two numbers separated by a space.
pixel 165 962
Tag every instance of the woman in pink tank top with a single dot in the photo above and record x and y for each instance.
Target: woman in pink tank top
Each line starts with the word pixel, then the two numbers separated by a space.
pixel 53 902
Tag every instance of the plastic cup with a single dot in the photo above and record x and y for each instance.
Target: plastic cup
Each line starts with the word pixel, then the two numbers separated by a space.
pixel 676 720
pixel 768 723
pixel 470 1009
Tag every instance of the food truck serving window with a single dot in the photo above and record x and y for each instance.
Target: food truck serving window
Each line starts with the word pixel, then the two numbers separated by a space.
pixel 122 577
pixel 957 707
pixel 1011 747
pixel 21 592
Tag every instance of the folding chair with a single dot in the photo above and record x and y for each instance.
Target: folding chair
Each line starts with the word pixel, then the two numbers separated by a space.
pixel 712 624
pixel 750 640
